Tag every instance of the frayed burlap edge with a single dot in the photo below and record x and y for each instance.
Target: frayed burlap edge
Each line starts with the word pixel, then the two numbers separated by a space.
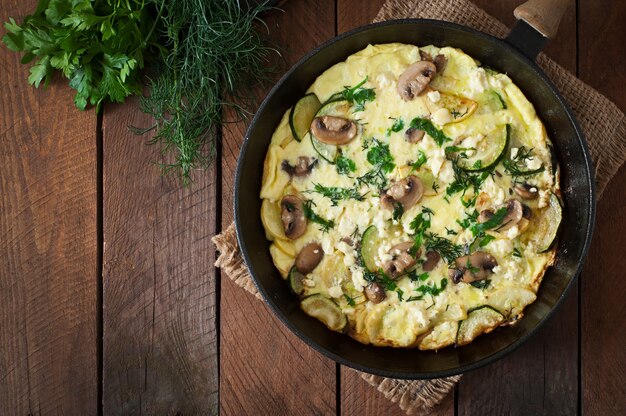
pixel 602 122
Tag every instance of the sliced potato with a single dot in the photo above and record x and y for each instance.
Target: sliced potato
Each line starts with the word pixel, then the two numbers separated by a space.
pixel 274 178
pixel 270 217
pixel 482 319
pixel 510 301
pixel 325 310
pixel 440 336
pixel 286 246
pixel 460 108
pixel 282 261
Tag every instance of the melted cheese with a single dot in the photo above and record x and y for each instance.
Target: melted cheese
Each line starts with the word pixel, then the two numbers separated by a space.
pixel 409 316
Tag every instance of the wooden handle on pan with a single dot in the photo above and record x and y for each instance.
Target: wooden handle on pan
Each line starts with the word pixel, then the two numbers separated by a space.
pixel 543 15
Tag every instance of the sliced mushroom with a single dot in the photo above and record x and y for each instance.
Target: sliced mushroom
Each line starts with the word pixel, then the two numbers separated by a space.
pixel 407 191
pixel 309 257
pixel 526 191
pixel 477 266
pixel 375 292
pixel 333 130
pixel 514 212
pixel 440 60
pixel 432 259
pixel 304 166
pixel 292 216
pixel 415 79
pixel 414 135
pixel 401 260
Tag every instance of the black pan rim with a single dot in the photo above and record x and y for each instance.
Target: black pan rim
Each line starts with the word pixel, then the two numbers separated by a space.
pixel 486 360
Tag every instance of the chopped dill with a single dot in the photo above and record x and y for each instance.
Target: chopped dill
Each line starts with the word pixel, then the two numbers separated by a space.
pixel 336 194
pixel 325 225
pixel 516 166
pixel 446 248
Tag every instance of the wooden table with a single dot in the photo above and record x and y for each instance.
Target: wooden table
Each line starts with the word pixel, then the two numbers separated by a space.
pixel 110 304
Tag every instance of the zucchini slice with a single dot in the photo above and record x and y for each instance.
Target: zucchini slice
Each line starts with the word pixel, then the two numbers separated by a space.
pixel 328 152
pixel 369 247
pixel 337 108
pixel 296 281
pixel 546 227
pixel 302 114
pixel 489 150
pixel 494 101
pixel 324 309
pixel 481 319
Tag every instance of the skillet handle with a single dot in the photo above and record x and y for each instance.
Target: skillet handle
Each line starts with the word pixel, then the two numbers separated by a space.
pixel 543 15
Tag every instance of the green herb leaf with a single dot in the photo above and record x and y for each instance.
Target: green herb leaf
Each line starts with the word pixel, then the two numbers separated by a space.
pixel 516 252
pixel 486 240
pixel 446 248
pixel 427 126
pixel 516 167
pixel 358 95
pixel 325 225
pixel 344 165
pixel 398 210
pixel 481 284
pixel 380 156
pixel 421 159
pixel 336 194
pixel 397 126
pixel 491 223
pixel 433 290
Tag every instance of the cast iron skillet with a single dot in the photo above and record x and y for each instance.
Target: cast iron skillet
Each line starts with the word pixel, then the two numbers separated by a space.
pixel 514 56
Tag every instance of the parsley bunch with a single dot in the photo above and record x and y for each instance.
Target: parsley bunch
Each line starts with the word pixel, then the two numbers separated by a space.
pixel 99 45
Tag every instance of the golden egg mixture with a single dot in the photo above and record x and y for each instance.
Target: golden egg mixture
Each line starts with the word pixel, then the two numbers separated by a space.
pixel 411 198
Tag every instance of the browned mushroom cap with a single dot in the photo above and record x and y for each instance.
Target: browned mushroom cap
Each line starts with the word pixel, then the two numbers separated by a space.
pixel 401 259
pixel 333 130
pixel 375 292
pixel 292 216
pixel 414 135
pixel 415 79
pixel 440 62
pixel 477 266
pixel 407 191
pixel 432 259
pixel 309 257
pixel 526 191
pixel 514 212
pixel 304 166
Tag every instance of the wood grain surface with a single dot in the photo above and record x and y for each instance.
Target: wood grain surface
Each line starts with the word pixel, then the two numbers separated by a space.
pixel 265 369
pixel 159 300
pixel 178 337
pixel 602 35
pixel 48 283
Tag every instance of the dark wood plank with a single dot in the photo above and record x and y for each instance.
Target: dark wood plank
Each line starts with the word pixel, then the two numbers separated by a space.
pixel 160 339
pixel 542 376
pixel 357 396
pixel 601 61
pixel 48 244
pixel 265 369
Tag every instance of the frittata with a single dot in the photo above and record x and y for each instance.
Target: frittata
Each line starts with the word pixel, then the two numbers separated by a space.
pixel 411 198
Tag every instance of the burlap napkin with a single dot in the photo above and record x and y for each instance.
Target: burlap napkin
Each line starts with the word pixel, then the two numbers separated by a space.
pixel 604 126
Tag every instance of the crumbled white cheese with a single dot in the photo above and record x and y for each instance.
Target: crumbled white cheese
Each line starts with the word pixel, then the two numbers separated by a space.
pixel 327 246
pixel 434 96
pixel 514 151
pixel 478 80
pixel 544 197
pixel 471 142
pixel 335 291
pixel 533 163
pixel 441 116
pixel 446 172
pixel 349 254
pixel 501 247
pixel 385 79
pixel 357 277
pixel 308 282
pixel 512 232
pixel 496 194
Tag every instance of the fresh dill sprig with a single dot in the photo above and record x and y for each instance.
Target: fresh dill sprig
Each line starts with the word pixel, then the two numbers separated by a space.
pixel 380 156
pixel 516 166
pixel 336 194
pixel 325 225
pixel 212 53
pixel 374 178
pixel 446 248
pixel 344 165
